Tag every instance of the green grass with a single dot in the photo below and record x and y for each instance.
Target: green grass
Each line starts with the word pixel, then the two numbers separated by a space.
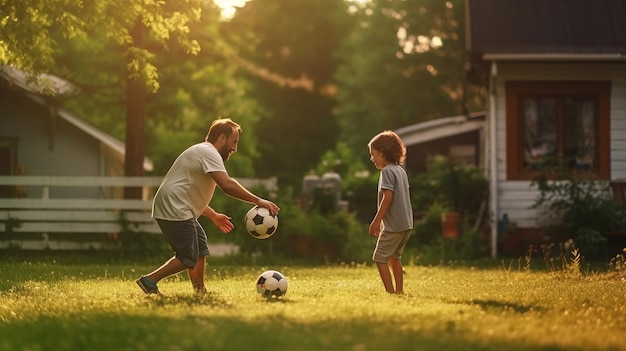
pixel 57 303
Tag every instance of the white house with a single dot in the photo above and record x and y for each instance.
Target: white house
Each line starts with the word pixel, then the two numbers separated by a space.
pixel 556 73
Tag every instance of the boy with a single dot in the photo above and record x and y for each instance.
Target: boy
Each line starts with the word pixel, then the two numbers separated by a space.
pixel 393 221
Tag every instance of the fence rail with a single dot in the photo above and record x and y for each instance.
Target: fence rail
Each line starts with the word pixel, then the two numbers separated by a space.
pixel 49 221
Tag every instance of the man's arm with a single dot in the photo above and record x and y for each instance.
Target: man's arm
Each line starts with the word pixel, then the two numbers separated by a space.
pixel 221 221
pixel 234 189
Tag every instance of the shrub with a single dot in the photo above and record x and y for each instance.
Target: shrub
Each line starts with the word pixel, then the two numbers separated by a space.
pixel 332 235
pixel 458 188
pixel 572 204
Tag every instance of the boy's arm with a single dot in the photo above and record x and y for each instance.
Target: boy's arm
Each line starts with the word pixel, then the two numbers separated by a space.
pixel 385 204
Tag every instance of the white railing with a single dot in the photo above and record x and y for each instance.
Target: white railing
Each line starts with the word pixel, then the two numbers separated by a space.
pixel 40 216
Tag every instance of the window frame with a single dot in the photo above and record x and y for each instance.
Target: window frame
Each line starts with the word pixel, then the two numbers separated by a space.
pixel 517 90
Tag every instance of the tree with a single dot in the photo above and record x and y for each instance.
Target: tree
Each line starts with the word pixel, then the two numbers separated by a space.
pixel 31 35
pixel 402 64
pixel 288 49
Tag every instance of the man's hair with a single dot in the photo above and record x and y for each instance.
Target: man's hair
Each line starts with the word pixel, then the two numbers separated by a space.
pixel 221 126
pixel 390 145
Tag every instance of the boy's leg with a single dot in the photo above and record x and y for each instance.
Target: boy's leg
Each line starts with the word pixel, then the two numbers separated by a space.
pixel 385 275
pixel 396 268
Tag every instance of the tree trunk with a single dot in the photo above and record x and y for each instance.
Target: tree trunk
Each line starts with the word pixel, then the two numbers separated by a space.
pixel 135 121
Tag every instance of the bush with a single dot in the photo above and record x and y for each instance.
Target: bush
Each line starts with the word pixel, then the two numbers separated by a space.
pixel 458 188
pixel 591 243
pixel 469 246
pixel 573 204
pixel 334 235
pixel 427 227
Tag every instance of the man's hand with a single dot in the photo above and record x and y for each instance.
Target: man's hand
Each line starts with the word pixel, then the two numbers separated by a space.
pixel 222 222
pixel 272 207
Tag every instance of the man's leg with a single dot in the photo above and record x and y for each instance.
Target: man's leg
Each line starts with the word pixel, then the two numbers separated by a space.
pixel 172 266
pixel 196 274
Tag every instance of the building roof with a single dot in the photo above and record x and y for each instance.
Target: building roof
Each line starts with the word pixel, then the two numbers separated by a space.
pixel 36 87
pixel 441 128
pixel 583 29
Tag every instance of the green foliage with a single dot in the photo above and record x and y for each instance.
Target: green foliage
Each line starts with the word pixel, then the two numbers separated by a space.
pixel 358 183
pixel 458 188
pixel 469 246
pixel 401 64
pixel 308 233
pixel 572 204
pixel 591 244
pixel 427 227
pixel 289 51
pixel 617 264
pixel 447 187
pixel 26 28
pixel 196 93
pixel 32 34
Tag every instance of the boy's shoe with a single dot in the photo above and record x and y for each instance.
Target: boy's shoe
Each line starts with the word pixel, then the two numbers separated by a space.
pixel 147 286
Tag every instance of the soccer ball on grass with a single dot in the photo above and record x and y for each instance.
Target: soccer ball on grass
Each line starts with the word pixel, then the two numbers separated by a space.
pixel 271 284
pixel 260 223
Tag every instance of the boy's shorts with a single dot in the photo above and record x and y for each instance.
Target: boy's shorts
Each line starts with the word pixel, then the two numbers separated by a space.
pixel 390 244
pixel 186 238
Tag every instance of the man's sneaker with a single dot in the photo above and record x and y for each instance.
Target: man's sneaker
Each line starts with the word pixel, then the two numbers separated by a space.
pixel 147 286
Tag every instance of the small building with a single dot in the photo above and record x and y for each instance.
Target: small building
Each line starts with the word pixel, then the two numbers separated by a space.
pixel 459 138
pixel 40 138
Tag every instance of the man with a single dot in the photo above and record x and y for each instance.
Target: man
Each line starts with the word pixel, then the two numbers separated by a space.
pixel 184 195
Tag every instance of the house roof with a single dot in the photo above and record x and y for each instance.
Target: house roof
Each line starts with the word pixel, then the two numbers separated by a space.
pixel 36 87
pixel 45 84
pixel 441 128
pixel 547 29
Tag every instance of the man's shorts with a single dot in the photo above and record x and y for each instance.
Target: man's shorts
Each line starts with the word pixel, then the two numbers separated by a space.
pixel 186 238
pixel 390 245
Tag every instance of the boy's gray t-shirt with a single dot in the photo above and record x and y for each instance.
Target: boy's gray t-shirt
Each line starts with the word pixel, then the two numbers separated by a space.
pixel 400 215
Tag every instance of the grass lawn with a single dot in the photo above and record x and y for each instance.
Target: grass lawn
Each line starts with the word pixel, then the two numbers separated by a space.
pixel 56 303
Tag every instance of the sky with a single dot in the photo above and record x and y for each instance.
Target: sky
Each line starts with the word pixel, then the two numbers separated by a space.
pixel 229 6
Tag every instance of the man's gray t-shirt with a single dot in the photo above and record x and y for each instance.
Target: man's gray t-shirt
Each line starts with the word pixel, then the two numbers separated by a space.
pixel 187 188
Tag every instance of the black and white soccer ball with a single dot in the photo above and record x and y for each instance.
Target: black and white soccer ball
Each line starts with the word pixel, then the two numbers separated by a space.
pixel 260 223
pixel 271 284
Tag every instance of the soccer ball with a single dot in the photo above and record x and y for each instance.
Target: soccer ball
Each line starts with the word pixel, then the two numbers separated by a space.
pixel 260 223
pixel 271 284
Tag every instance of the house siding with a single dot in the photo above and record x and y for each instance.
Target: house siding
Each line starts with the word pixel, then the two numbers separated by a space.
pixel 516 197
pixel 66 152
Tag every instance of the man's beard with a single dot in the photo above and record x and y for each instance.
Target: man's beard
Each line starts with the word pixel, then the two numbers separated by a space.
pixel 224 152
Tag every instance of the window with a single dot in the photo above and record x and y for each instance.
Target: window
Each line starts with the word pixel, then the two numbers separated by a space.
pixel 8 155
pixel 8 166
pixel 564 122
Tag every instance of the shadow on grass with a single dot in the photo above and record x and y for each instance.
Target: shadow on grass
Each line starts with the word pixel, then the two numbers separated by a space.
pixel 210 299
pixel 97 331
pixel 491 305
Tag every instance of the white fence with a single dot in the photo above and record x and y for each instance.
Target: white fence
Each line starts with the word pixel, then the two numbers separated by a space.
pixel 44 222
